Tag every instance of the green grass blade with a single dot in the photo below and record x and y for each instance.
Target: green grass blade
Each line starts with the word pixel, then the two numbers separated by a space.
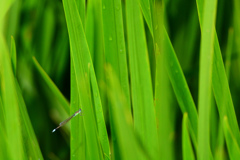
pixel 140 77
pixel 81 5
pixel 63 110
pixel 174 71
pixel 81 59
pixel 99 58
pixel 220 83
pixel 114 42
pixel 78 137
pixel 115 52
pixel 11 107
pixel 232 145
pixel 213 125
pixel 145 6
pixel 165 103
pixel 13 55
pixel 206 58
pixel 173 67
pixel 221 89
pixel 30 141
pixel 90 27
pixel 220 146
pixel 63 101
pixel 78 147
pixel 122 120
pixel 220 151
pixel 188 153
pixel 102 131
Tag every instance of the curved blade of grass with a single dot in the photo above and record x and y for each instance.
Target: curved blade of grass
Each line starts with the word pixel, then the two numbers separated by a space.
pixel 232 145
pixel 163 46
pixel 30 141
pixel 63 101
pixel 81 58
pixel 128 147
pixel 141 86
pixel 206 59
pixel 10 104
pixel 64 108
pixel 220 147
pixel 220 83
pixel 13 55
pixel 188 153
pixel 114 42
pixel 102 131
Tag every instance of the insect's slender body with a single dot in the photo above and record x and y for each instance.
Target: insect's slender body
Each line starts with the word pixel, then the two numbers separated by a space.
pixel 68 119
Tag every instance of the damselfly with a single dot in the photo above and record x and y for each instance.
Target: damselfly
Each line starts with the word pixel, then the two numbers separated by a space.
pixel 65 121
